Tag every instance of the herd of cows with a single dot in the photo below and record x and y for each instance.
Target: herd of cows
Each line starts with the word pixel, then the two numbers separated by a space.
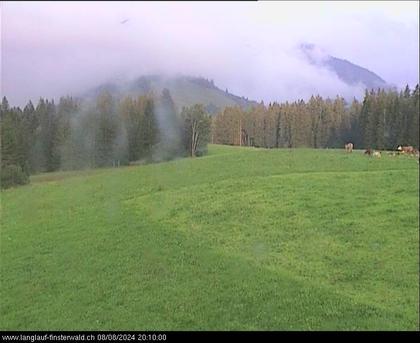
pixel 408 150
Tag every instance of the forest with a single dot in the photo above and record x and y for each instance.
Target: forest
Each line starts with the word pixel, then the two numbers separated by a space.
pixel 104 132
pixel 109 132
pixel 383 120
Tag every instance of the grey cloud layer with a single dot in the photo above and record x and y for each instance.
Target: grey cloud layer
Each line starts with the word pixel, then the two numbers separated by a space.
pixel 50 49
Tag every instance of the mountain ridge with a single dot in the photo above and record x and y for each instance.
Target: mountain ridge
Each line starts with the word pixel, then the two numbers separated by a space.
pixel 348 72
pixel 184 90
pixel 188 90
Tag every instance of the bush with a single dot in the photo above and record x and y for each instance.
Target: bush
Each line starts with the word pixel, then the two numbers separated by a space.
pixel 12 175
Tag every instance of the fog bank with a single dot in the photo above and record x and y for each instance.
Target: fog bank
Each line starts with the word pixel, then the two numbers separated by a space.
pixel 55 48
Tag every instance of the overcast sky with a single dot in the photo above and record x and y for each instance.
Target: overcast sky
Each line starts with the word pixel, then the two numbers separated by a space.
pixel 56 48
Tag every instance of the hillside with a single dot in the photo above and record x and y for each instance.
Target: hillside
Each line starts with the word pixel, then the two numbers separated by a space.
pixel 185 91
pixel 241 239
pixel 353 74
pixel 348 72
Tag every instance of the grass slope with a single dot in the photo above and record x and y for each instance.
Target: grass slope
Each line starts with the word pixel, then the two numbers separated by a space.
pixel 242 239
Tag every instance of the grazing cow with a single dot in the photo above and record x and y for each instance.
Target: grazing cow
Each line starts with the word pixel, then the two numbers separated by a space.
pixel 348 147
pixel 368 152
pixel 406 149
pixel 376 154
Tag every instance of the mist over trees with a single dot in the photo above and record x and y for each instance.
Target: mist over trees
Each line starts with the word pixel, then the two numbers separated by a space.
pixel 108 132
pixel 383 120
pixel 196 130
pixel 105 132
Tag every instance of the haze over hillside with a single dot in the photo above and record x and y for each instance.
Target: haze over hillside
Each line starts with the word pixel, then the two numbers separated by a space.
pixel 248 48
pixel 189 90
pixel 348 72
pixel 184 90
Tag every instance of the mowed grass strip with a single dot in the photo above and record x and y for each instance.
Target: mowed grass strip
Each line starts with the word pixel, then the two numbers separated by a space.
pixel 242 239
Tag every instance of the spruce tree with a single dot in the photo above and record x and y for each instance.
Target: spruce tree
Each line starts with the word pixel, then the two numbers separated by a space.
pixel 106 131
pixel 149 131
pixel 170 143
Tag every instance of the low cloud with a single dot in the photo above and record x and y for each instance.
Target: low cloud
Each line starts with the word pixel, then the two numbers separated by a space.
pixel 51 49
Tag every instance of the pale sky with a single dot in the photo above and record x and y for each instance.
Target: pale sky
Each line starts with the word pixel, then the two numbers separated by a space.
pixel 57 48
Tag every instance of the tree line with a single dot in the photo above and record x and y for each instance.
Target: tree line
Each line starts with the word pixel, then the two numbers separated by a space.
pixel 106 131
pixel 383 120
pixel 101 132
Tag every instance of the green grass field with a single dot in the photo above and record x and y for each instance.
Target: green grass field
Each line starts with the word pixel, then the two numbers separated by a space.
pixel 241 239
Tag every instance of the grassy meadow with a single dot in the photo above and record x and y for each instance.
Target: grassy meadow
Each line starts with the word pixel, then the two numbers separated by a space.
pixel 241 239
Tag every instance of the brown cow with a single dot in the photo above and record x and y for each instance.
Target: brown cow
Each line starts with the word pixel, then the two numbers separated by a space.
pixel 406 149
pixel 368 151
pixel 348 147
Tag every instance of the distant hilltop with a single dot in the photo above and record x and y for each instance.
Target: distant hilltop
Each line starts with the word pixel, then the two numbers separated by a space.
pixel 184 90
pixel 346 71
pixel 190 90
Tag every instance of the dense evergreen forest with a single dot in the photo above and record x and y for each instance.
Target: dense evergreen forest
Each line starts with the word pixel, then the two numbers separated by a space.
pixel 383 120
pixel 106 132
